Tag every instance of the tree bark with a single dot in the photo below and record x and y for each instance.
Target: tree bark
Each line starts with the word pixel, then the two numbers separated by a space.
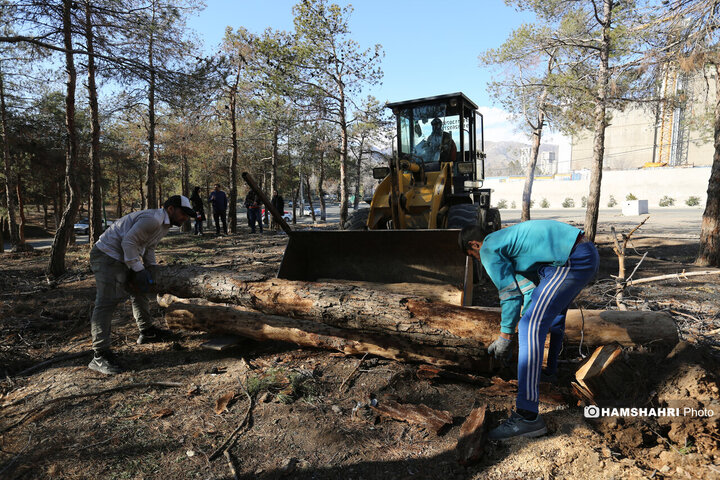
pixel 8 169
pixel 150 170
pixel 343 161
pixel 593 204
pixel 232 206
pixel 21 210
pixel 530 172
pixel 709 254
pixel 95 217
pixel 358 169
pixel 56 266
pixel 436 325
pixel 321 179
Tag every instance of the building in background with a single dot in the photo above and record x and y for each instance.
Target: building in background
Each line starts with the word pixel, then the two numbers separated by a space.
pixel 670 133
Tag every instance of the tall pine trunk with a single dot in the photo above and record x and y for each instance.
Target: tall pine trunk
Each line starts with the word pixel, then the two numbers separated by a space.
pixel 709 254
pixel 356 200
pixel 343 162
pixel 150 169
pixel 96 219
pixel 233 200
pixel 321 192
pixel 593 204
pixel 56 266
pixel 7 169
pixel 530 172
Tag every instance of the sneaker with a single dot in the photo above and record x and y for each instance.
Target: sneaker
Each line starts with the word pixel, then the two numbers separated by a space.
pixel 151 335
pixel 517 426
pixel 105 363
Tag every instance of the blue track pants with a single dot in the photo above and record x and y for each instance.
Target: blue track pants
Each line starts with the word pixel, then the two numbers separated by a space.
pixel 546 313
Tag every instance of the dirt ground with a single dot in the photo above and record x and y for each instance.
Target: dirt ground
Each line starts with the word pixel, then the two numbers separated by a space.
pixel 309 417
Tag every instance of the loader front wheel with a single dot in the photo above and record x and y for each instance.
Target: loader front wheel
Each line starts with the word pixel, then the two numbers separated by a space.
pixel 462 215
pixel 357 220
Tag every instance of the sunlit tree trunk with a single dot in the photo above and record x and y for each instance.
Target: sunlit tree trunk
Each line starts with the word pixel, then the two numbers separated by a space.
pixel 709 254
pixel 593 204
pixel 56 265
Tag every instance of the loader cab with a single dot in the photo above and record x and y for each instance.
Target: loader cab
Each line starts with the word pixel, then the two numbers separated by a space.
pixel 436 130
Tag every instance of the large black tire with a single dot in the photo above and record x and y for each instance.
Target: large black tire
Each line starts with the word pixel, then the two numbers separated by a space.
pixel 357 220
pixel 462 215
pixel 494 221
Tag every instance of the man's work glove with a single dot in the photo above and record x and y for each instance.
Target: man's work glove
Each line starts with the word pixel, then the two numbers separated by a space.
pixel 500 348
pixel 142 281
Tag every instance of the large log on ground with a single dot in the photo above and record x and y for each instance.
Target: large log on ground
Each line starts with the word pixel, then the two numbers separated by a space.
pixel 381 314
pixel 199 314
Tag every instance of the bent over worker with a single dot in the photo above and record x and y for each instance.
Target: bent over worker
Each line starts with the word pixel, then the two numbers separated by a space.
pixel 538 267
pixel 121 261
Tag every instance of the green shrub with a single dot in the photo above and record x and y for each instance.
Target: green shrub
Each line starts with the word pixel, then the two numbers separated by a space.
pixel 532 203
pixel 568 203
pixel 692 201
pixel 502 203
pixel 612 202
pixel 544 203
pixel 513 204
pixel 583 202
pixel 630 197
pixel 666 201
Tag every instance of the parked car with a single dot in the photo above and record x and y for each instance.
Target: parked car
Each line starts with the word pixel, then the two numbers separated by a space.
pixel 307 211
pixel 286 215
pixel 82 227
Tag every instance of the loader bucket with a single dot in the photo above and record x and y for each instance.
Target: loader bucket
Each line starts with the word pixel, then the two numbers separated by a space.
pixel 382 256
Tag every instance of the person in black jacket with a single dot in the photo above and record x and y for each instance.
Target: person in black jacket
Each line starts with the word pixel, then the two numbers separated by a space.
pixel 279 203
pixel 254 214
pixel 197 205
pixel 219 202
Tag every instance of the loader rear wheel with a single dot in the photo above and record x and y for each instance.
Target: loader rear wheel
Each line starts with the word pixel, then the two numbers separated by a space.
pixel 357 220
pixel 462 215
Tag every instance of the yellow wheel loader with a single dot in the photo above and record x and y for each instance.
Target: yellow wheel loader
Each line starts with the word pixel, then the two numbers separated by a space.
pixel 429 190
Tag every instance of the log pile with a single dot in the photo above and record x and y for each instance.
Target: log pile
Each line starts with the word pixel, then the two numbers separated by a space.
pixel 354 319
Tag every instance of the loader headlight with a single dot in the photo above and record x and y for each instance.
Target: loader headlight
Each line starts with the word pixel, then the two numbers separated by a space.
pixel 380 172
pixel 465 167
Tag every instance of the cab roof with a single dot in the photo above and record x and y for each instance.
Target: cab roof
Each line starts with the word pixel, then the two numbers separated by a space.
pixel 435 99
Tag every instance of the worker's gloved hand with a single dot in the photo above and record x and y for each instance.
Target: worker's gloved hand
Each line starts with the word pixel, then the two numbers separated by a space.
pixel 142 281
pixel 500 348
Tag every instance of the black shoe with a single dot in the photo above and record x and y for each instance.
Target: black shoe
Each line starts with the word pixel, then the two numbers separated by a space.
pixel 517 426
pixel 151 335
pixel 105 362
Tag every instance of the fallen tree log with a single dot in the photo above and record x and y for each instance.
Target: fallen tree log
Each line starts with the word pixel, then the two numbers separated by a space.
pixel 199 314
pixel 370 311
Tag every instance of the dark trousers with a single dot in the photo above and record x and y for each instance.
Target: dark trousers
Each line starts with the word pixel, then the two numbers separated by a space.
pixel 198 226
pixel 254 215
pixel 217 216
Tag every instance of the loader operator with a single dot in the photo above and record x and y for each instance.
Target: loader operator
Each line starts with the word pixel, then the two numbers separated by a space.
pixel 121 261
pixel 439 145
pixel 538 267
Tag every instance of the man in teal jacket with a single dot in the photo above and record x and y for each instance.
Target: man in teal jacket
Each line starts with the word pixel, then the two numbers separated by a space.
pixel 538 267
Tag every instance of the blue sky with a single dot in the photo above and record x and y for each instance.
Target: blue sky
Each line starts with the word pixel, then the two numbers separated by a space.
pixel 431 47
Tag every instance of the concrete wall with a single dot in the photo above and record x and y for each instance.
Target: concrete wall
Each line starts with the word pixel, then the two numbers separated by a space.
pixel 646 184
pixel 635 136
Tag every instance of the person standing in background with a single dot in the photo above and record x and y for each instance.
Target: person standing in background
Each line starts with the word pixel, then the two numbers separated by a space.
pixel 197 205
pixel 219 203
pixel 279 203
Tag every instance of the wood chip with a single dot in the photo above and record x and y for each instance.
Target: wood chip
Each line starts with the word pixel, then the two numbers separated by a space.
pixel 420 414
pixel 221 403
pixel 165 412
pixel 472 437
